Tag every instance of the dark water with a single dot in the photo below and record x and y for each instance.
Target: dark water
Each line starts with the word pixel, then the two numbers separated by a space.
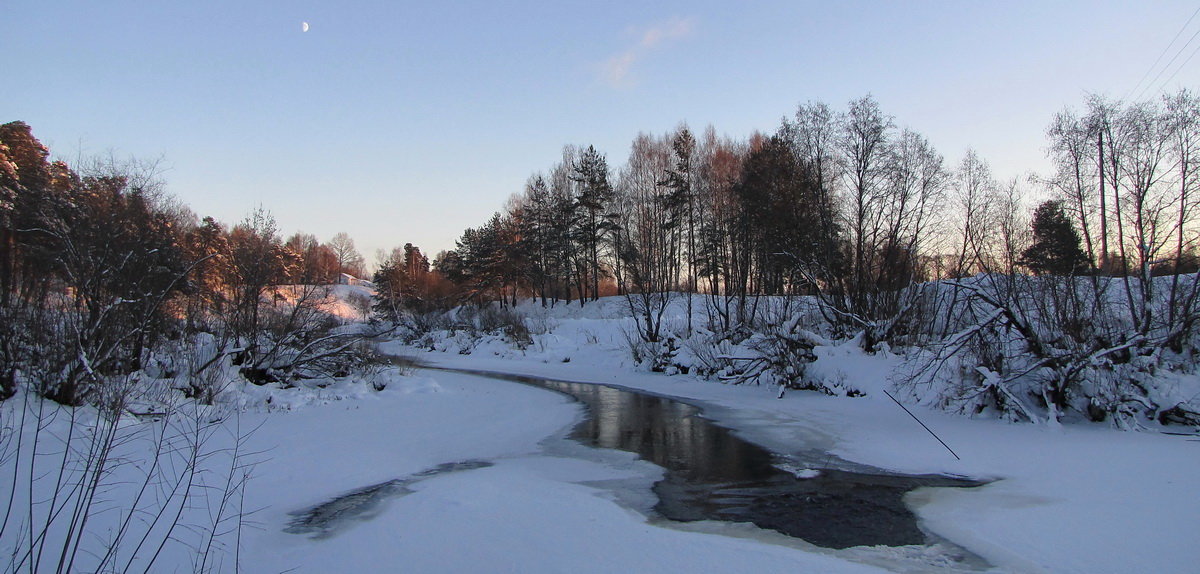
pixel 328 518
pixel 712 474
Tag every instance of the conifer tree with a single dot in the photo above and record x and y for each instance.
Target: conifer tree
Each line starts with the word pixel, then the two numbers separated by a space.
pixel 682 203
pixel 390 280
pixel 595 193
pixel 1056 248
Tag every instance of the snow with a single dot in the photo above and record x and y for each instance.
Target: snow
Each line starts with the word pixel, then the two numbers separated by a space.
pixel 533 511
pixel 1073 498
pixel 348 303
pixel 1070 498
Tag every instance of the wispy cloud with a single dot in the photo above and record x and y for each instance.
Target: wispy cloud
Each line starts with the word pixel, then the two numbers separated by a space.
pixel 615 71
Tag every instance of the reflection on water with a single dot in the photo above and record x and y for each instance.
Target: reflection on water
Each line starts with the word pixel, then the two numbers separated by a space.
pixel 713 474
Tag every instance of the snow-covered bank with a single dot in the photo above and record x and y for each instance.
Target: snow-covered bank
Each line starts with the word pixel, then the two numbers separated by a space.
pixel 1074 498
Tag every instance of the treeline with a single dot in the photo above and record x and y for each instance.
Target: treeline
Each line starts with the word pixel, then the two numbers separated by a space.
pixel 835 203
pixel 100 269
pixel 849 208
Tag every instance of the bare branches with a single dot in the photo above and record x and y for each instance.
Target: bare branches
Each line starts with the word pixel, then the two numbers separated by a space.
pixel 105 492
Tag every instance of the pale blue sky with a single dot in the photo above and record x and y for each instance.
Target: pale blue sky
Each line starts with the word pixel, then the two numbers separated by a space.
pixel 403 122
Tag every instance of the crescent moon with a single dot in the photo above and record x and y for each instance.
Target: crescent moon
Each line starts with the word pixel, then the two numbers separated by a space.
pixel 304 26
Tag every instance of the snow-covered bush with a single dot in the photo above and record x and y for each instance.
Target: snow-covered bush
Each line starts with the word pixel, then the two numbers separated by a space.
pixel 506 321
pixel 465 327
pixel 1037 348
pixel 539 321
pixel 300 339
pixel 773 344
pixel 710 355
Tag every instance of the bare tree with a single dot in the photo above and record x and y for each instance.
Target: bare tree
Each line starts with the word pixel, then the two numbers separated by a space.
pixel 568 260
pixel 863 146
pixel 1183 112
pixel 648 238
pixel 814 136
pixel 349 260
pixel 257 262
pixel 318 264
pixel 719 171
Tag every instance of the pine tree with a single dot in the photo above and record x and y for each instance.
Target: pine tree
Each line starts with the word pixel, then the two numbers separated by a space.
pixel 1056 248
pixel 595 193
pixel 536 241
pixel 681 201
pixel 390 280
pixel 25 182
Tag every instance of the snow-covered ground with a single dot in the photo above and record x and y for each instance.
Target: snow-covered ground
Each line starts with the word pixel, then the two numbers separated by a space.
pixel 1072 498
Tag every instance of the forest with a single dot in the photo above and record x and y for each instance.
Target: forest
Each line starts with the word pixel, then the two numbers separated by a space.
pixel 103 275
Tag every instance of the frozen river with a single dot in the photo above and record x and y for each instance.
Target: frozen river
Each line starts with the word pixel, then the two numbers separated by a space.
pixel 713 474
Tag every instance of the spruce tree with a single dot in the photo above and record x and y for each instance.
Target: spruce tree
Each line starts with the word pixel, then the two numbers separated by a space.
pixel 1056 246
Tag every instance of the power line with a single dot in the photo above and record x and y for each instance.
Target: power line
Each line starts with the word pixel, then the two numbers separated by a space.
pixel 1179 69
pixel 910 413
pixel 1163 53
pixel 1169 63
